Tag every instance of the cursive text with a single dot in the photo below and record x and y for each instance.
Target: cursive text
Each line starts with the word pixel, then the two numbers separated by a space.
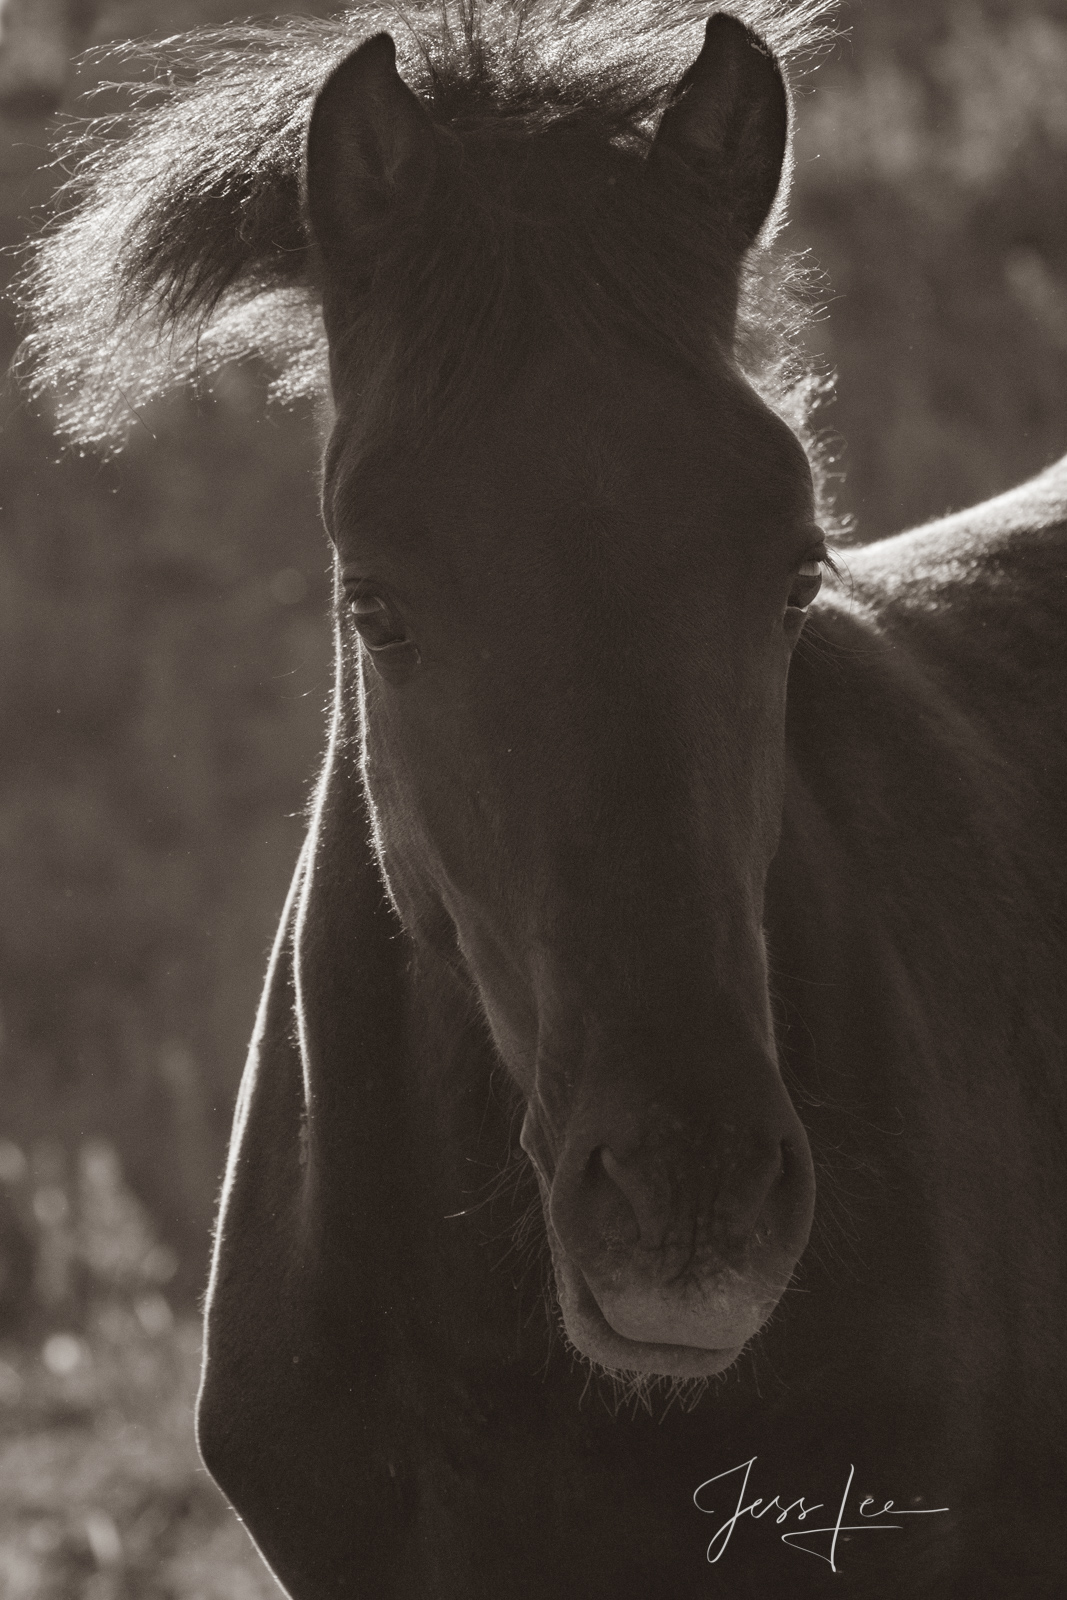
pixel 821 1541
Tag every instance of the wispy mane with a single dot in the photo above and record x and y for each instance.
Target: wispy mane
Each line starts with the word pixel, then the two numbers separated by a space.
pixel 182 242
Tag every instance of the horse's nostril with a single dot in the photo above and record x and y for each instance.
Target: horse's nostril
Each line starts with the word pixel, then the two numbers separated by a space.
pixel 650 1214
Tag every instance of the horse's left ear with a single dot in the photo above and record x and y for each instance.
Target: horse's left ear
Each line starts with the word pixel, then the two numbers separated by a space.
pixel 728 118
pixel 371 147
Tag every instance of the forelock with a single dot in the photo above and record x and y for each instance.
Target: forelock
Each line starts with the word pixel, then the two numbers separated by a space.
pixel 182 241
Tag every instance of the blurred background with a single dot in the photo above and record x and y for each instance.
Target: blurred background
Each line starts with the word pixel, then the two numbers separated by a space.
pixel 164 669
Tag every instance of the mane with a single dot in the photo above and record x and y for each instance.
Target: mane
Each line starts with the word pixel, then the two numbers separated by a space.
pixel 181 242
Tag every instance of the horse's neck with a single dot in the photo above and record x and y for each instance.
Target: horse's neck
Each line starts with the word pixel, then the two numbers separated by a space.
pixel 927 767
pixel 978 600
pixel 930 682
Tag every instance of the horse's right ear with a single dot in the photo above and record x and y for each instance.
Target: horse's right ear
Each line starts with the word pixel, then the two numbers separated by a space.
pixel 371 147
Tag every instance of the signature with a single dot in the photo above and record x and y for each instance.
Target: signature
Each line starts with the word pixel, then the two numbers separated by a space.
pixel 808 1539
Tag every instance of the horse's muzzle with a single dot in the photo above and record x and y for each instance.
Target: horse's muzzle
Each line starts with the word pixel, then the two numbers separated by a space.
pixel 671 1248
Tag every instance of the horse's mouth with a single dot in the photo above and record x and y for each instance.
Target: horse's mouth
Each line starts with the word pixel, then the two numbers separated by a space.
pixel 590 1330
pixel 593 1336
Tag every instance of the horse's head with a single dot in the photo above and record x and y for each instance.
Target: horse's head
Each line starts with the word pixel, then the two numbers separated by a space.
pixel 574 550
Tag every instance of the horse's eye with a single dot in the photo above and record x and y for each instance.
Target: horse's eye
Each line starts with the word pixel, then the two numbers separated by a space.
pixel 807 581
pixel 377 625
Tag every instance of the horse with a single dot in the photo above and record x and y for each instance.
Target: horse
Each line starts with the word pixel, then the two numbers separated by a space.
pixel 648 1176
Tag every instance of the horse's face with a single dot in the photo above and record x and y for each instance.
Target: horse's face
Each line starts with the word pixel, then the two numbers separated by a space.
pixel 570 630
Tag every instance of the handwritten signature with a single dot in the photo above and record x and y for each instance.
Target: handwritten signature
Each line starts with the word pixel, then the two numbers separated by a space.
pixel 807 1539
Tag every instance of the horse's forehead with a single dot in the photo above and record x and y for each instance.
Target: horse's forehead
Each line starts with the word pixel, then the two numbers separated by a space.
pixel 636 446
pixel 637 460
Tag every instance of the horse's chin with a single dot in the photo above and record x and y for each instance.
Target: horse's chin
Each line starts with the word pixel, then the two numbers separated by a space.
pixel 592 1335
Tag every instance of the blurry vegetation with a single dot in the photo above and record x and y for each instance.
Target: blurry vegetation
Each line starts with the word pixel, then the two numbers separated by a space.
pixel 163 674
pixel 164 669
pixel 102 1496
pixel 931 178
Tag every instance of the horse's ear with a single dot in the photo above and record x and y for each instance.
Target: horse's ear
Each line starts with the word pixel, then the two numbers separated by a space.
pixel 370 148
pixel 728 118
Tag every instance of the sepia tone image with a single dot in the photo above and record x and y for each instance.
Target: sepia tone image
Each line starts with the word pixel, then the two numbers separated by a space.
pixel 533 567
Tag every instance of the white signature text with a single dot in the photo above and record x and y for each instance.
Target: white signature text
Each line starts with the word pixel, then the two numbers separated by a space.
pixel 822 1541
